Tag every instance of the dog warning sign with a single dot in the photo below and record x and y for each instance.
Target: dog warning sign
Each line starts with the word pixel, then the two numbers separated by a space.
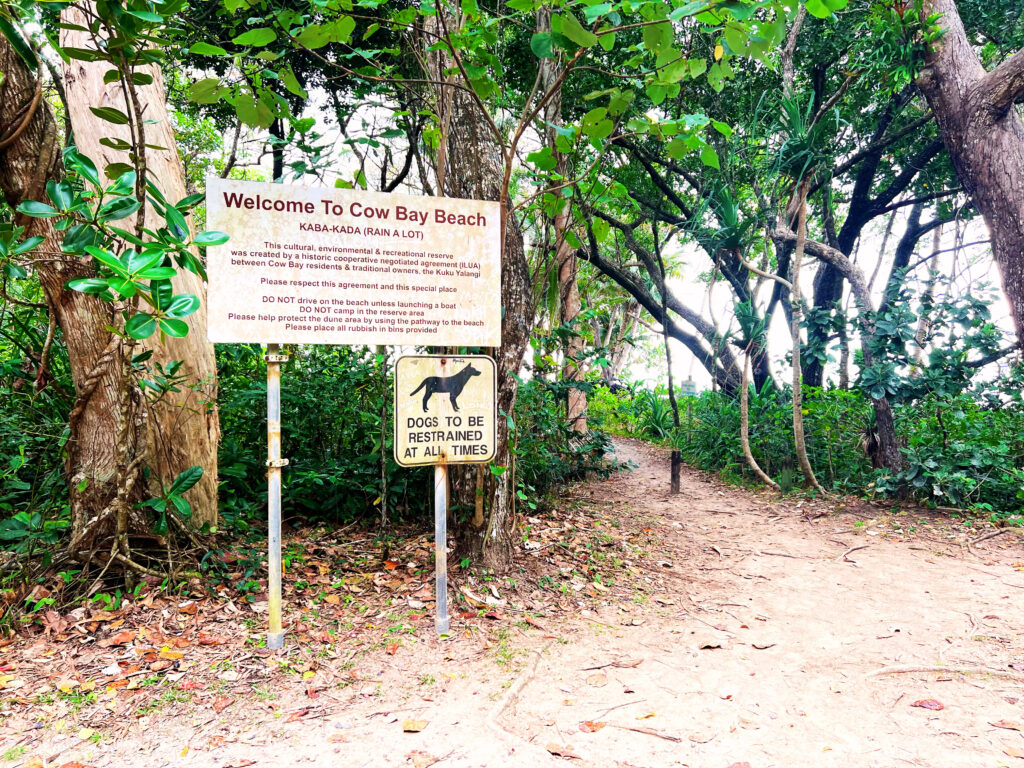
pixel 445 409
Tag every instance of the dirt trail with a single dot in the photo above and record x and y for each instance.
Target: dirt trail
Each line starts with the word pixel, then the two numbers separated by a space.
pixel 751 642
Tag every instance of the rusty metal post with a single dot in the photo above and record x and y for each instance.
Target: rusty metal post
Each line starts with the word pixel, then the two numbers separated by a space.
pixel 275 634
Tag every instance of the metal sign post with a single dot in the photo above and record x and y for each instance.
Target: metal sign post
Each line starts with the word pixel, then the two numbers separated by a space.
pixel 441 546
pixel 445 413
pixel 275 634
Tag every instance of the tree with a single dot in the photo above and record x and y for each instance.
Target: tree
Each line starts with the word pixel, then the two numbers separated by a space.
pixel 983 132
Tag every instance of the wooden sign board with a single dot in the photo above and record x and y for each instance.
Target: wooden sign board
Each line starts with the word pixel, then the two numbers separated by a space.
pixel 308 265
pixel 445 409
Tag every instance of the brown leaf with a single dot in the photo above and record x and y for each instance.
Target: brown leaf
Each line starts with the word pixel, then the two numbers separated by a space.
pixel 1014 752
pixel 414 726
pixel 534 623
pixel 242 763
pixel 297 715
pixel 208 638
pixel 589 726
pixel 740 765
pixel 931 704
pixel 190 608
pixel 167 653
pixel 1008 724
pixel 392 649
pixel 121 638
pixel 391 564
pixel 332 599
pixel 561 751
pixel 221 703
pixel 72 764
pixel 598 679
pixel 160 665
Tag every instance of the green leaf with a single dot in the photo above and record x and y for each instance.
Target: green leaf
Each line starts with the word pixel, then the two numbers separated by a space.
pixel 81 165
pixel 176 328
pixel 206 91
pixel 292 83
pixel 543 159
pixel 210 237
pixel 140 326
pixel 183 305
pixel 107 259
pixel 569 26
pixel 37 210
pixel 111 115
pixel 207 49
pixel 15 271
pixel 153 18
pixel 139 261
pixel 185 480
pixel 595 125
pixel 118 208
pixel 256 38
pixel 157 273
pixel 542 46
pixel 823 9
pixel 60 194
pixel 709 157
pixel 88 285
pixel 28 245
pixel 18 43
pixel 176 222
pixel 697 67
pixel 119 144
pixel 723 128
pixel 124 185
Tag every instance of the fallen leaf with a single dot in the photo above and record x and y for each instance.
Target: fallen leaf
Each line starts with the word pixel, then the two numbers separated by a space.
pixel 589 726
pixel 119 639
pixel 337 738
pixel 1008 724
pixel 931 704
pixel 332 599
pixel 1014 752
pixel 240 763
pixel 391 564
pixel 208 638
pixel 648 716
pixel 190 608
pixel 534 623
pixel 167 653
pixel 66 686
pixel 561 751
pixel 34 762
pixel 161 665
pixel 297 715
pixel 392 649
pixel 740 765
pixel 72 764
pixel 221 703
pixel 413 726
pixel 598 679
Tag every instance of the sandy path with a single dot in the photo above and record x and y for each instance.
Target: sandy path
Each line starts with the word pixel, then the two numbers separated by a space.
pixel 750 644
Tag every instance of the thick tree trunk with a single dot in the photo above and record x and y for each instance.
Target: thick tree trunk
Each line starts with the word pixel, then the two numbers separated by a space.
pixel 471 165
pixel 182 429
pixel 101 389
pixel 984 134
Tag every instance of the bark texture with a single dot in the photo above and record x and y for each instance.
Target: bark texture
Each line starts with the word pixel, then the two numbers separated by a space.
pixel 470 165
pixel 565 256
pixel 183 429
pixel 26 164
pixel 984 134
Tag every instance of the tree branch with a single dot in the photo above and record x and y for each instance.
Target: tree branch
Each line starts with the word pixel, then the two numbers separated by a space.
pixel 1001 87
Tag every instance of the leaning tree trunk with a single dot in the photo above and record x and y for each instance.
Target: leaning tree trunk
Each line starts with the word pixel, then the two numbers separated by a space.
pixel 182 429
pixel 470 165
pixel 984 135
pixel 27 162
pixel 565 256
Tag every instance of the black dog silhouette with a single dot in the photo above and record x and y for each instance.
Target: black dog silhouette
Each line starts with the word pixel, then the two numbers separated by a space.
pixel 452 385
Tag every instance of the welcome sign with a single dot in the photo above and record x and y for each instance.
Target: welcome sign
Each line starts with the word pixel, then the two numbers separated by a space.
pixel 310 265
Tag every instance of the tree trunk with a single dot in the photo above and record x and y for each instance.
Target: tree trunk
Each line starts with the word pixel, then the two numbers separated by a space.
pixel 565 256
pixel 472 167
pixel 984 135
pixel 101 387
pixel 182 429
